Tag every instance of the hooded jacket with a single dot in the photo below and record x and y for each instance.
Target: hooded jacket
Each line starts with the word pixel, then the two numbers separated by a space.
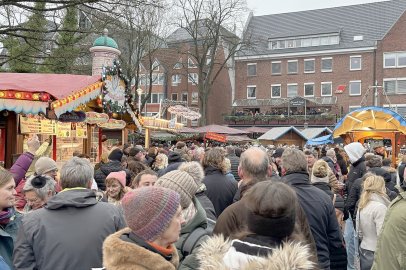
pixel 72 227
pixel 121 253
pixel 355 152
pixel 174 161
pixel 390 251
pixel 107 168
pixel 219 254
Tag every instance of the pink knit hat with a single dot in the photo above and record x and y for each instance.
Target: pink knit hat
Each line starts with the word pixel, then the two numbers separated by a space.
pixel 120 176
pixel 148 211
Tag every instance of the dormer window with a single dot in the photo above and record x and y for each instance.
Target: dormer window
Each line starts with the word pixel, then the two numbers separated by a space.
pixel 190 63
pixel 304 41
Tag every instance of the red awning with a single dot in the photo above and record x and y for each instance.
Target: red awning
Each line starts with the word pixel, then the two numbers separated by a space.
pixel 57 85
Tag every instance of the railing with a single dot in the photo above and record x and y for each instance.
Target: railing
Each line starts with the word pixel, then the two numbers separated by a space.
pixel 325 119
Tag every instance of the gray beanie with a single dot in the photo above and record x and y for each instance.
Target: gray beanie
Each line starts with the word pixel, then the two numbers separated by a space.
pixel 185 181
pixel 45 165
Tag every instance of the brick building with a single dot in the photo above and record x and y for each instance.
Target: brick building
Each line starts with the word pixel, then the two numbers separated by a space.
pixel 176 75
pixel 322 62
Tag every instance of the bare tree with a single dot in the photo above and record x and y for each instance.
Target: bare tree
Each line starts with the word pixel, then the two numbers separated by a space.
pixel 211 41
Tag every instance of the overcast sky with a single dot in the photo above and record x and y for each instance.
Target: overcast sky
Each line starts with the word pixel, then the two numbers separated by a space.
pixel 264 7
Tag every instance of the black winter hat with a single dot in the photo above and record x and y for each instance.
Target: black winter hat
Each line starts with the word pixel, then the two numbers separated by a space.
pixel 278 153
pixel 116 155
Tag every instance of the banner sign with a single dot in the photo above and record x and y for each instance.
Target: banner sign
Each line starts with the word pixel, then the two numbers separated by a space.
pixel 81 130
pixel 96 118
pixel 64 130
pixel 30 125
pixel 73 117
pixel 216 137
pixel 113 124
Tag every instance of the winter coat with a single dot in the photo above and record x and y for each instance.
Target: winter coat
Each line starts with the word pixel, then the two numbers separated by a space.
pixel 357 170
pixel 235 161
pixel 250 253
pixel 370 220
pixel 72 227
pixel 206 204
pixel 122 253
pixel 320 214
pixel 232 222
pixel 220 189
pixel 21 166
pixel 343 165
pixel 401 171
pixel 107 168
pixel 174 161
pixel 8 235
pixel 390 251
pixel 189 261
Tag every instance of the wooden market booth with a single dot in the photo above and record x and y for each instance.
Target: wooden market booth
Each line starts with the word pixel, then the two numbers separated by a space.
pixel 56 105
pixel 376 123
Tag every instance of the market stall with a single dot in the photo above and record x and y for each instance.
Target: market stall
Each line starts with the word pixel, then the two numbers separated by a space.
pixel 376 123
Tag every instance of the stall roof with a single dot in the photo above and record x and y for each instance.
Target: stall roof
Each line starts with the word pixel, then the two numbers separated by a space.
pixel 239 138
pixel 311 133
pixel 188 130
pixel 67 91
pixel 370 119
pixel 277 132
pixel 221 130
pixel 57 85
pixel 255 129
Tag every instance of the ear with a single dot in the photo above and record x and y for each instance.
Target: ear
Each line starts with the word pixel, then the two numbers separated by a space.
pixel 269 170
pixel 241 173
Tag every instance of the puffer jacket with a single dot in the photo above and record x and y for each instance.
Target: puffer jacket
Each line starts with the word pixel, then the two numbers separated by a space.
pixel 253 252
pixel 8 235
pixel 21 166
pixel 107 168
pixel 72 227
pixel 189 261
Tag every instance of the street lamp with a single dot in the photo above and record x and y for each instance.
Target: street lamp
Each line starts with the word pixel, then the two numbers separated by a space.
pixel 139 93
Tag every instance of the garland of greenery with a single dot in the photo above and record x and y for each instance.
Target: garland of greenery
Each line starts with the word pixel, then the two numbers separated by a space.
pixel 174 137
pixel 108 106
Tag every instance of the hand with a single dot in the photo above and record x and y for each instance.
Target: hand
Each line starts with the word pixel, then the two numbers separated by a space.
pixel 49 140
pixel 33 144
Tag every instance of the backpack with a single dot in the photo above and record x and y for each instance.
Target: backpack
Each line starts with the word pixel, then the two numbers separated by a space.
pixel 193 239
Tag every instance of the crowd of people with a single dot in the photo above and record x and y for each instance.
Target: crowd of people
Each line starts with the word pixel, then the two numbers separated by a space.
pixel 284 112
pixel 191 207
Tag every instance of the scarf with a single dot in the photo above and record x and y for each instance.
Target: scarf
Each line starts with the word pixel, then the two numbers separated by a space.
pixel 6 215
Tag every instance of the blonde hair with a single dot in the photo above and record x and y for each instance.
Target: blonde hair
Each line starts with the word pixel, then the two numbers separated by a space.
pixel 320 169
pixel 227 164
pixel 372 184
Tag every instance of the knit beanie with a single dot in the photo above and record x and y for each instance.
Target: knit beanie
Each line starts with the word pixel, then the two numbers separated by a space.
pixel 116 155
pixel 148 211
pixel 120 176
pixel 185 181
pixel 45 165
pixel 134 151
pixel 320 172
pixel 355 151
pixel 331 153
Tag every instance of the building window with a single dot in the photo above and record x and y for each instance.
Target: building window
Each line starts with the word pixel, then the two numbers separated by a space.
pixel 158 79
pixel 309 89
pixel 399 108
pixel 327 64
pixel 292 90
pixel 352 108
pixel 190 63
pixel 251 92
pixel 252 69
pixel 195 97
pixel 184 97
pixel 309 65
pixel 355 62
pixel 355 88
pixel 176 79
pixel 155 66
pixel 276 67
pixel 304 41
pixel 193 78
pixel 156 98
pixel 292 66
pixel 178 64
pixel 394 60
pixel 174 96
pixel 326 89
pixel 395 86
pixel 275 91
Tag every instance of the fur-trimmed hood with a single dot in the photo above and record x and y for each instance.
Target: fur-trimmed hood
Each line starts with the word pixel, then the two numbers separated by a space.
pixel 216 254
pixel 122 255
